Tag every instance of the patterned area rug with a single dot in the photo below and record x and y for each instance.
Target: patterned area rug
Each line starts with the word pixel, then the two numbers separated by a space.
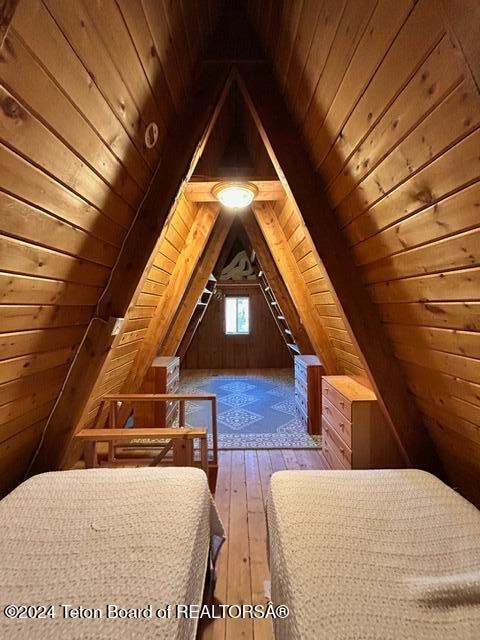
pixel 254 411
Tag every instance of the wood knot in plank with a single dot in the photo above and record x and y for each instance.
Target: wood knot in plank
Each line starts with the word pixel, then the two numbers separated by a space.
pixel 11 108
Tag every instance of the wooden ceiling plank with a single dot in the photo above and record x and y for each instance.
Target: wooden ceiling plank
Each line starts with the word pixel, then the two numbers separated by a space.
pixel 206 264
pixel 184 143
pixel 278 246
pixel 35 25
pixel 183 272
pixel 292 162
pixel 460 15
pixel 136 22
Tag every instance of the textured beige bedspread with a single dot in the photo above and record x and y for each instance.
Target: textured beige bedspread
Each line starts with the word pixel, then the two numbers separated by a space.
pixel 373 555
pixel 130 537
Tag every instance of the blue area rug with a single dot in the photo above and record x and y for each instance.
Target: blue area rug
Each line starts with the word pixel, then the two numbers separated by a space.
pixel 254 411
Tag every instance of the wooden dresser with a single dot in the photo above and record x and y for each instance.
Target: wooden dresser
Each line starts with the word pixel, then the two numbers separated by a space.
pixel 162 377
pixel 308 392
pixel 355 432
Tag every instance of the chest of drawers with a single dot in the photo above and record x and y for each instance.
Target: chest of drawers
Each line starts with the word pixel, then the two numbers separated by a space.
pixel 308 392
pixel 355 433
pixel 162 377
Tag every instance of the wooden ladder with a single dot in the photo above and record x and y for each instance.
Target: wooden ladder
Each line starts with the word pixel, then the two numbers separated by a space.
pixel 197 315
pixel 277 313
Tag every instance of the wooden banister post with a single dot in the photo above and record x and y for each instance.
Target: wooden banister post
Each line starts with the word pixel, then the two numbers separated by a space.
pixel 113 425
pixel 181 413
pixel 214 431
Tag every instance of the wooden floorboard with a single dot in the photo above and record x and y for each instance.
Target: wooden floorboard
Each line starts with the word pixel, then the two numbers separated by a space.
pixel 242 565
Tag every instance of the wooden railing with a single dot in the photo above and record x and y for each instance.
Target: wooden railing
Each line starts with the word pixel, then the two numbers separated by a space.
pixel 180 438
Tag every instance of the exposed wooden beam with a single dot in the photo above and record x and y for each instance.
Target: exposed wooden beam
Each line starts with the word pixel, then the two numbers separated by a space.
pixel 276 282
pixel 7 10
pixel 178 327
pixel 198 191
pixel 280 250
pixel 293 165
pixel 182 148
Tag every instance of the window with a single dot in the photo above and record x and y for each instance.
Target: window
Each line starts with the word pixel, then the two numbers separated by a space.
pixel 237 317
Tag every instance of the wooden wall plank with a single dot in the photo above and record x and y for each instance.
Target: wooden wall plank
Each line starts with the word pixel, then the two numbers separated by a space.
pixel 36 26
pixel 81 31
pixel 276 282
pixel 262 348
pixel 276 241
pixel 453 315
pixel 412 44
pixel 196 286
pixel 433 81
pixel 79 86
pixel 400 158
pixel 290 159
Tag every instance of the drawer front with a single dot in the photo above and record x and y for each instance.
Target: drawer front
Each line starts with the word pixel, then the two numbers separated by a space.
pixel 301 387
pixel 172 385
pixel 301 375
pixel 329 455
pixel 337 399
pixel 301 402
pixel 343 453
pixel 303 417
pixel 338 421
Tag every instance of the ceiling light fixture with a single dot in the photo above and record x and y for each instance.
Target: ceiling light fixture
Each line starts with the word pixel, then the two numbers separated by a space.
pixel 235 195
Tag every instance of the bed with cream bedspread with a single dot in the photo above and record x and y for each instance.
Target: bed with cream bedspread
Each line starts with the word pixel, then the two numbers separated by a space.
pixel 134 538
pixel 373 555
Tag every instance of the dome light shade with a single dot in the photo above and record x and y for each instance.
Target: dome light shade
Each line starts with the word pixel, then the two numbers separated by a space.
pixel 235 195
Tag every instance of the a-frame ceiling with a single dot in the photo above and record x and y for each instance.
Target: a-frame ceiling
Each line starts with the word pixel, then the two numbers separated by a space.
pixel 344 286
pixel 369 86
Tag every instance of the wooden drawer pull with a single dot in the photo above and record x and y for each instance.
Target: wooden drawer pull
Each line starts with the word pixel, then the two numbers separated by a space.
pixel 342 426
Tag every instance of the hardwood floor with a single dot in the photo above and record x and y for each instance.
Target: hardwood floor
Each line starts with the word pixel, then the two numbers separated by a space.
pixel 242 565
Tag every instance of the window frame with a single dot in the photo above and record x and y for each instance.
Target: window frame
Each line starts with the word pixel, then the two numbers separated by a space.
pixel 237 298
